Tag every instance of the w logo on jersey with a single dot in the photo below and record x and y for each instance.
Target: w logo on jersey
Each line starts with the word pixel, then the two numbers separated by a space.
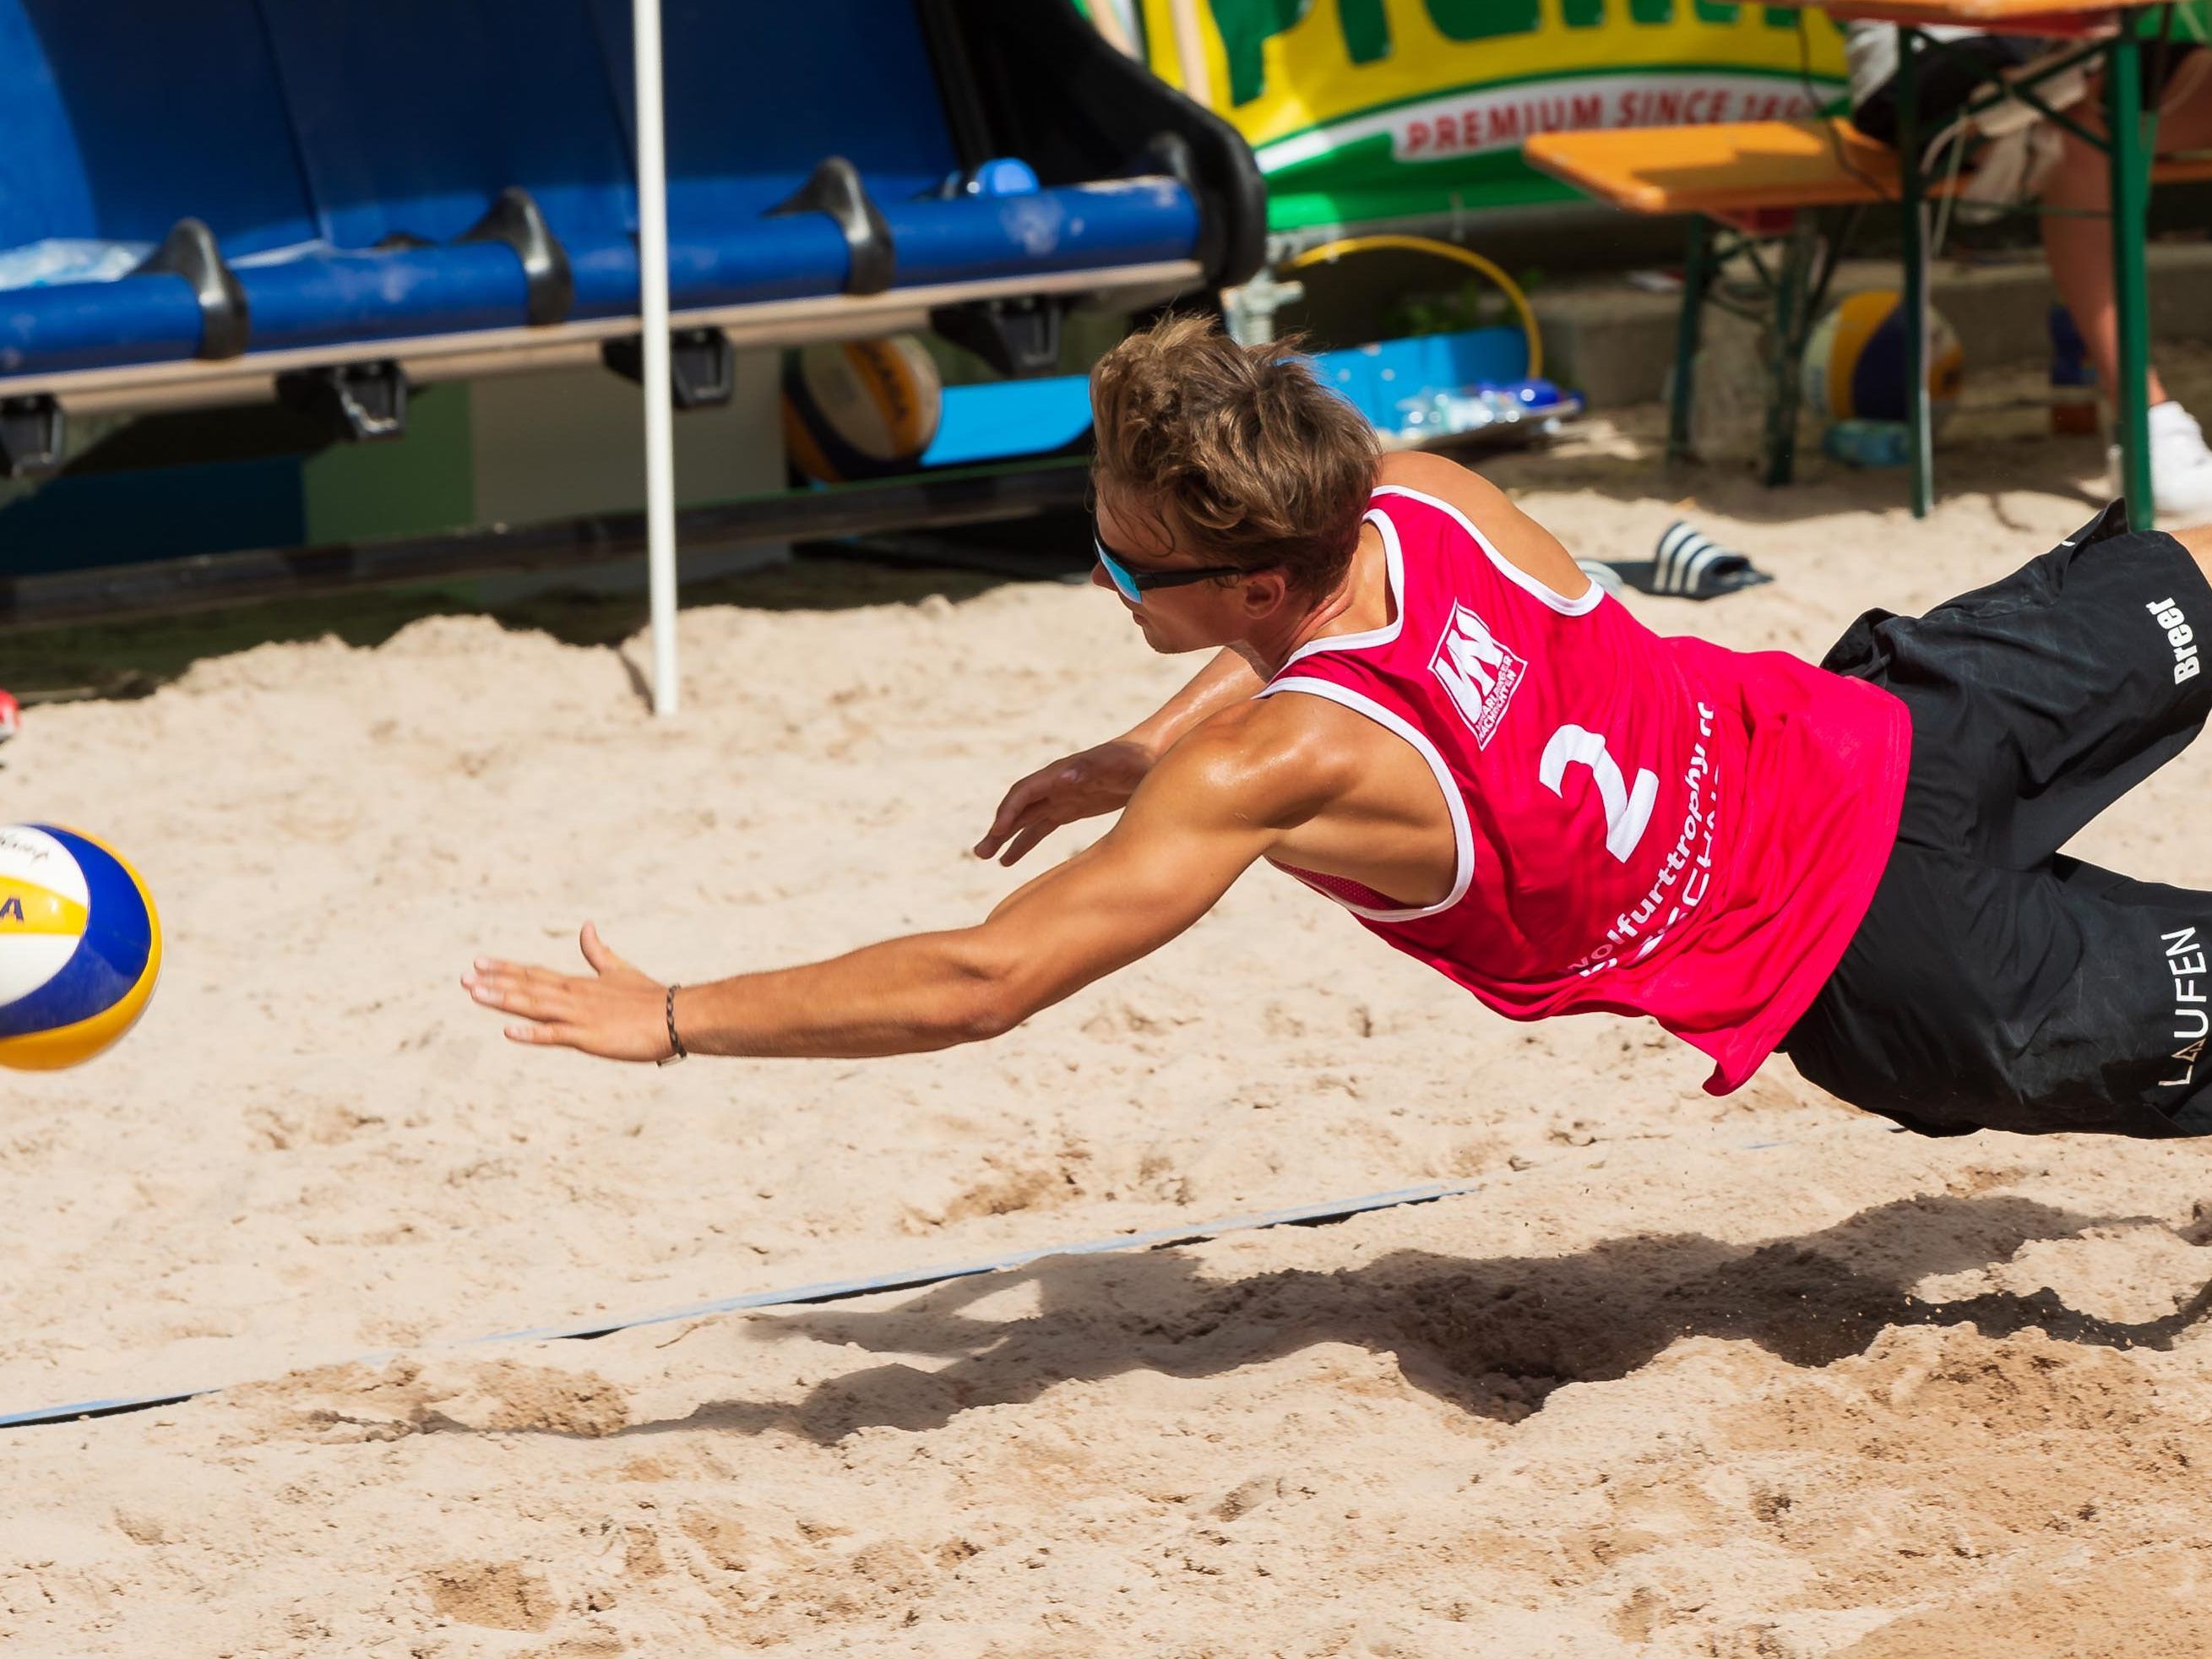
pixel 1479 670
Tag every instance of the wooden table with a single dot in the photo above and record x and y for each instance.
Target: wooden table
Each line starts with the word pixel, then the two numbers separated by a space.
pixel 2116 32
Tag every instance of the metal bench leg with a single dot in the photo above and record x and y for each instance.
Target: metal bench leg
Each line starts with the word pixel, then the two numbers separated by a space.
pixel 1917 416
pixel 1689 327
pixel 1793 306
pixel 2130 287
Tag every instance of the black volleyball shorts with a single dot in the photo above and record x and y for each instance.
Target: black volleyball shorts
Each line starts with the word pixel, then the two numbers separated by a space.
pixel 1995 983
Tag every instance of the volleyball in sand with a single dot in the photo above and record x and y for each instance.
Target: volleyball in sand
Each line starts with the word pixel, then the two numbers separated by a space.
pixel 80 947
pixel 1855 360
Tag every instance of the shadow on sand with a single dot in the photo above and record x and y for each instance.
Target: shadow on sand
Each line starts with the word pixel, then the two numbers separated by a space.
pixel 1492 1336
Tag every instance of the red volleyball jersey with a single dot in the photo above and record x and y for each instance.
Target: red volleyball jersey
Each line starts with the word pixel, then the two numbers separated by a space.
pixel 1645 825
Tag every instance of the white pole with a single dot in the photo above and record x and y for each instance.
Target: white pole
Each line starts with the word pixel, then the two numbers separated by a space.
pixel 652 280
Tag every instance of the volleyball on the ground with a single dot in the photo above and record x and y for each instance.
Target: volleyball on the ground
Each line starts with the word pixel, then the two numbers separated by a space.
pixel 1855 360
pixel 80 947
pixel 860 408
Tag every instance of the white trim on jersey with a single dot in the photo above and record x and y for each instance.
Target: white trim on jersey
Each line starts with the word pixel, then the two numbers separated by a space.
pixel 1454 802
pixel 1592 597
pixel 1393 570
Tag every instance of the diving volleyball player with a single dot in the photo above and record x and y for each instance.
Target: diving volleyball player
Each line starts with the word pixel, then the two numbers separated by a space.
pixel 1423 708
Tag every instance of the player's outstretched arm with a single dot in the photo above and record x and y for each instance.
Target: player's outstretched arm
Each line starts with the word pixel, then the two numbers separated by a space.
pixel 1203 817
pixel 1101 779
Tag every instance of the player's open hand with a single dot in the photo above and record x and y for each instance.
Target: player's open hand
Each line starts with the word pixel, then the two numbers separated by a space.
pixel 614 1012
pixel 1099 780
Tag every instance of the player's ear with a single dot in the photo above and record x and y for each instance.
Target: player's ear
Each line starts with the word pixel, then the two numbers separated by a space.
pixel 1263 594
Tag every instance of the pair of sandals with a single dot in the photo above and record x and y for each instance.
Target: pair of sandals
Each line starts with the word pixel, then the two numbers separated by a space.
pixel 1688 565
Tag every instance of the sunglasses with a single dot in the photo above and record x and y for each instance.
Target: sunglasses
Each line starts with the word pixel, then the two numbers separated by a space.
pixel 1134 584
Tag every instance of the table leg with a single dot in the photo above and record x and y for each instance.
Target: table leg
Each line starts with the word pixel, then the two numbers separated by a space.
pixel 1793 300
pixel 2131 285
pixel 1917 416
pixel 1688 327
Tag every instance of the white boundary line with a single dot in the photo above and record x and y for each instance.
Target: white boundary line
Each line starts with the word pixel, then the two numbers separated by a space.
pixel 831 1290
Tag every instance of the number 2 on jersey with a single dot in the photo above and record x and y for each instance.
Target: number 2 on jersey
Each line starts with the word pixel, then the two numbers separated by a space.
pixel 1627 812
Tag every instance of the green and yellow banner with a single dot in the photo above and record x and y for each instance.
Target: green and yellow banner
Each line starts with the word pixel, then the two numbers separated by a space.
pixel 1361 110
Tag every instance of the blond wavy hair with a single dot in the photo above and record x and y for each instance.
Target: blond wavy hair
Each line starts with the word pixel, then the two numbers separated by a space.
pixel 1246 457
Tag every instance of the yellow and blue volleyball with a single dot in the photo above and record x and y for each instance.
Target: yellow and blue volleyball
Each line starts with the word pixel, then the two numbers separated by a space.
pixel 861 409
pixel 1855 360
pixel 80 947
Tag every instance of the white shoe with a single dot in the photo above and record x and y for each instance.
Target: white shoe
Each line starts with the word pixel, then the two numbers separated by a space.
pixel 2180 466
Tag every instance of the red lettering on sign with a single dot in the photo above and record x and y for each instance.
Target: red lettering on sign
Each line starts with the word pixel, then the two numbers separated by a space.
pixel 1588 110
pixel 1505 125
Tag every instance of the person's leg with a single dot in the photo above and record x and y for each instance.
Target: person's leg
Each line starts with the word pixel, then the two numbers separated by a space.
pixel 2080 249
pixel 2058 1000
pixel 2039 700
pixel 2076 238
pixel 2197 541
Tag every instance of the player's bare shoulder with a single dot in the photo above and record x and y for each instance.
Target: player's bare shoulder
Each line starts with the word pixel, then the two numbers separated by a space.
pixel 1273 760
pixel 1489 509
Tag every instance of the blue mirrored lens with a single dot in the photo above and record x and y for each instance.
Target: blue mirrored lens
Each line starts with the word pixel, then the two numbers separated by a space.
pixel 1124 583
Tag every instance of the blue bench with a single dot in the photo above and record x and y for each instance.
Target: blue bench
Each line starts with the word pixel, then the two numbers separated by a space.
pixel 432 188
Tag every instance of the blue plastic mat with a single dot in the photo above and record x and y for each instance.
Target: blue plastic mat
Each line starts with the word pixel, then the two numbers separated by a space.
pixel 1000 420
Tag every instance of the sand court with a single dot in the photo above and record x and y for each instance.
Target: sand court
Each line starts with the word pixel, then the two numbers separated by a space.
pixel 1745 1377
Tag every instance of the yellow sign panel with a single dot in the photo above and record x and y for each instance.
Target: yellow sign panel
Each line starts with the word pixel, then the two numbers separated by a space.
pixel 1375 105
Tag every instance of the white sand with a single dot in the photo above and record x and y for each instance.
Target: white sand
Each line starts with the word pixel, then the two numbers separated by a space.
pixel 1730 1378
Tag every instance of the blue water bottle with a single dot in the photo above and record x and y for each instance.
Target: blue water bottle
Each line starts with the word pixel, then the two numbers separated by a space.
pixel 1868 443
